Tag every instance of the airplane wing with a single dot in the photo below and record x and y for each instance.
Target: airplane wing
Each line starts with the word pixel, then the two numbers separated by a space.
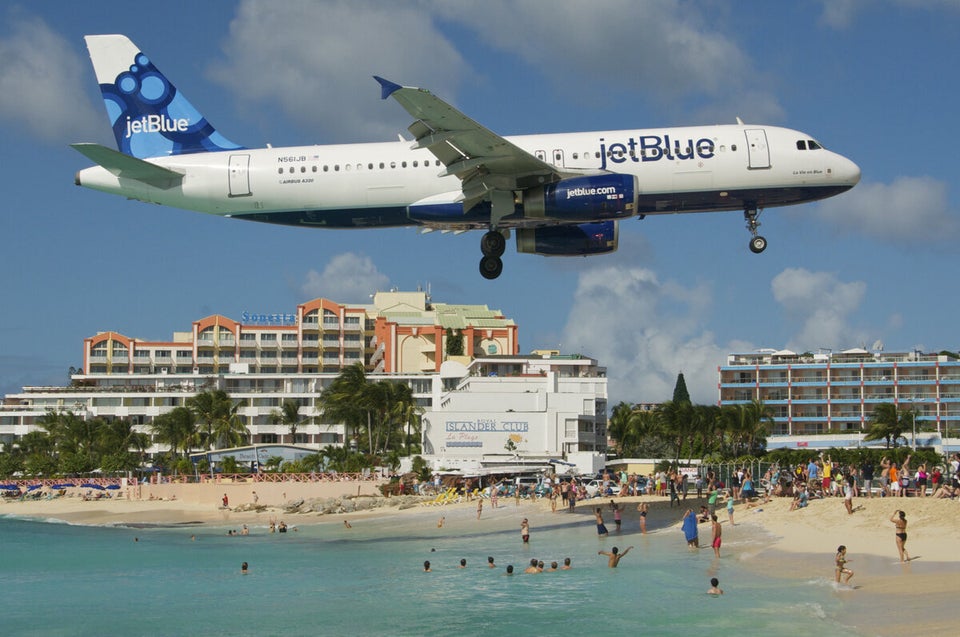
pixel 484 161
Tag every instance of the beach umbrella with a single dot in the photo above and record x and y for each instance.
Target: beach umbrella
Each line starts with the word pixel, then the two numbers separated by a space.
pixel 90 485
pixel 9 487
pixel 34 487
pixel 113 486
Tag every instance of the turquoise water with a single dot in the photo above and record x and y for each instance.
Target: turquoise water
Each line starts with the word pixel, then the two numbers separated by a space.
pixel 60 579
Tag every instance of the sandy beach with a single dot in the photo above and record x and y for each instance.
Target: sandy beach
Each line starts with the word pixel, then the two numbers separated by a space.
pixel 886 597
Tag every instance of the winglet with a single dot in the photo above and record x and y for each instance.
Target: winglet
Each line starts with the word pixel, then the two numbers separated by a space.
pixel 387 88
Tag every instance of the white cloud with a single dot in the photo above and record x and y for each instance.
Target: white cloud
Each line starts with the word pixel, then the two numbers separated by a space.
pixel 821 305
pixel 840 14
pixel 314 62
pixel 348 278
pixel 645 332
pixel 910 211
pixel 662 50
pixel 41 84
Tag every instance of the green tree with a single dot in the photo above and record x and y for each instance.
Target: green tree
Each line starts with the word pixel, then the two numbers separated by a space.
pixel 176 428
pixel 347 400
pixel 122 447
pixel 218 420
pixel 680 393
pixel 289 416
pixel 888 423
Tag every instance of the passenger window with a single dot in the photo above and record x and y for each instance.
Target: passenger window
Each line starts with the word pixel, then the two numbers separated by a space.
pixel 403 165
pixel 303 169
pixel 381 165
pixel 369 166
pixel 280 171
pixel 414 163
pixel 336 168
pixel 291 170
pixel 575 155
pixel 346 167
pixel 314 169
pixel 326 168
pixel 393 164
pixel 733 148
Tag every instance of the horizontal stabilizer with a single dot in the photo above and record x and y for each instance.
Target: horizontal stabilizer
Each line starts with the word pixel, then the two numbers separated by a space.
pixel 128 167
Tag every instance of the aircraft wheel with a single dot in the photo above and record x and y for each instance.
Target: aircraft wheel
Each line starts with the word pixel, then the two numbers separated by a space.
pixel 491 267
pixel 493 244
pixel 758 244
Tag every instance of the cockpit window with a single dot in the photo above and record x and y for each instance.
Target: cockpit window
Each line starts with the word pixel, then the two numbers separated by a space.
pixel 801 144
pixel 813 145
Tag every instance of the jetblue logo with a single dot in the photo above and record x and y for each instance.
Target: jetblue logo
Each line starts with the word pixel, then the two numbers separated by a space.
pixel 156 124
pixel 609 191
pixel 654 148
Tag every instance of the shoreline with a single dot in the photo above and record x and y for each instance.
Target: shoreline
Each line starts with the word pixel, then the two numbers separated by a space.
pixel 886 598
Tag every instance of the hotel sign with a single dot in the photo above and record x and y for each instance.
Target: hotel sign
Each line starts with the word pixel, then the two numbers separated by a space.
pixel 254 318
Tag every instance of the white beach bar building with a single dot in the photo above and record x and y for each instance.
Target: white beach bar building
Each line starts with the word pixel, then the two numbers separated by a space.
pixel 510 413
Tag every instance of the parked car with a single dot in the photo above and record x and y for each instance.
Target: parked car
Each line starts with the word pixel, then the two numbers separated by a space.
pixel 595 489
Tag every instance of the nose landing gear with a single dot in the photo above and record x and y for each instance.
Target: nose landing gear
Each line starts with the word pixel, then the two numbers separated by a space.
pixel 757 243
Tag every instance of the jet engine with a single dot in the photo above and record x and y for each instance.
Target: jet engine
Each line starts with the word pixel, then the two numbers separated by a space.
pixel 569 240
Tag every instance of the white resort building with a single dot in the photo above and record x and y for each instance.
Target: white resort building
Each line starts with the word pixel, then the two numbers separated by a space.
pixel 549 405
pixel 826 399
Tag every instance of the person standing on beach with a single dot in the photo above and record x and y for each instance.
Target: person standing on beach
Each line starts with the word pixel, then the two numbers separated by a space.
pixel 866 477
pixel 899 519
pixel 717 532
pixel 689 528
pixel 226 501
pixel 525 531
pixel 730 508
pixel 601 527
pixel 617 514
pixel 842 560
pixel 643 507
pixel 494 494
pixel 479 507
pixel 614 555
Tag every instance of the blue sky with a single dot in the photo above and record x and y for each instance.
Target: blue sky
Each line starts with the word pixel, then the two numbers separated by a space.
pixel 874 80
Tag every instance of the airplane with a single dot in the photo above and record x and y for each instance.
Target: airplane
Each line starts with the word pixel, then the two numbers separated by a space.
pixel 561 194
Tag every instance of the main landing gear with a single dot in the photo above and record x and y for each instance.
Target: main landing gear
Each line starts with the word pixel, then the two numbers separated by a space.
pixel 492 245
pixel 757 243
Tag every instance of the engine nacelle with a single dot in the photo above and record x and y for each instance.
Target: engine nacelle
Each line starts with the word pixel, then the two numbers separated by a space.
pixel 585 199
pixel 570 240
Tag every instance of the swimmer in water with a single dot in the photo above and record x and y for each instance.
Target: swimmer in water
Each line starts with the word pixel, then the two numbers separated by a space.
pixel 614 556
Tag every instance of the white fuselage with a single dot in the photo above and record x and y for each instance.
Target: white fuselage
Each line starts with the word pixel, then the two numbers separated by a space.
pixel 690 169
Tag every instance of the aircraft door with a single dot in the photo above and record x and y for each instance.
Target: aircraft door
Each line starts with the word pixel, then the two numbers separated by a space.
pixel 239 182
pixel 757 149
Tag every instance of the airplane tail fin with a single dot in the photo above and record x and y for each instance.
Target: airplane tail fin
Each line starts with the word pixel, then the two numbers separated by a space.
pixel 149 116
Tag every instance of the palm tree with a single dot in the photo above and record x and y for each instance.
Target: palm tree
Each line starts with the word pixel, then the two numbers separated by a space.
pixel 618 427
pixel 888 423
pixel 219 421
pixel 348 400
pixel 121 446
pixel 676 420
pixel 176 428
pixel 289 416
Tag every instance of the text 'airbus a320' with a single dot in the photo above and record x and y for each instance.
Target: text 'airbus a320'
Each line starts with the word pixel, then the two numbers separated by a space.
pixel 561 194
